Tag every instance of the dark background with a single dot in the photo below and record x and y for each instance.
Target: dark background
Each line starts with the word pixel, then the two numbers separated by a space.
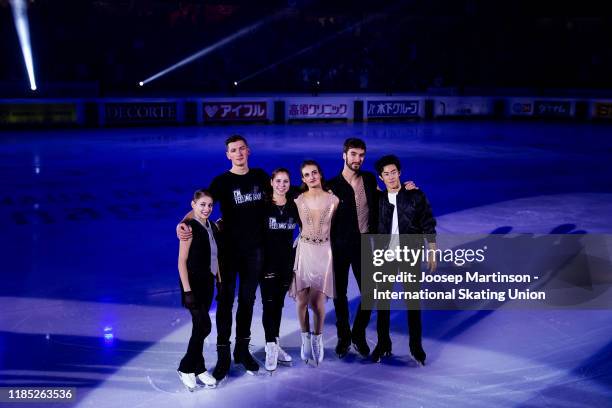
pixel 469 46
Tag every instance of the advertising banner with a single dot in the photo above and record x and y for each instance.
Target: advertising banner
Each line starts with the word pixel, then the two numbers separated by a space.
pixel 549 108
pixel 385 108
pixel 519 107
pixel 319 108
pixel 225 111
pixel 453 106
pixel 139 112
pixel 558 109
pixel 601 109
pixel 48 113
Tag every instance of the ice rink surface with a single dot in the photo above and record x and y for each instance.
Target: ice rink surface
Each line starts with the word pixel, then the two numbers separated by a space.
pixel 88 249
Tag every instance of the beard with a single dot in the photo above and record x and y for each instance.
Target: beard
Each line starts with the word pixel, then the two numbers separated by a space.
pixel 353 166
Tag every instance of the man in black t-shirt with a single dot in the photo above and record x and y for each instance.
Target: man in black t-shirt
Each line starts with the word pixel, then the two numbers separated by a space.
pixel 240 193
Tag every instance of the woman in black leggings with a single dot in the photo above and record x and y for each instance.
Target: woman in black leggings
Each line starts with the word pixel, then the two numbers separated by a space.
pixel 281 221
pixel 198 269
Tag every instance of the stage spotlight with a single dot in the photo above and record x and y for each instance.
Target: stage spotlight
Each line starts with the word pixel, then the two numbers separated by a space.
pixel 20 17
pixel 235 83
pixel 218 44
pixel 141 83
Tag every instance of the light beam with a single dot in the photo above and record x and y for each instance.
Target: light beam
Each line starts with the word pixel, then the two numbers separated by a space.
pixel 20 16
pixel 213 47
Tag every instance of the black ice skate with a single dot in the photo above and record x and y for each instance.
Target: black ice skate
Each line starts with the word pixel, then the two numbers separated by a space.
pixel 417 352
pixel 382 350
pixel 361 345
pixel 342 348
pixel 243 356
pixel 224 361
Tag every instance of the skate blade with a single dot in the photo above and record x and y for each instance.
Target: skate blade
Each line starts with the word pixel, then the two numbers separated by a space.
pixel 418 363
pixel 222 381
pixel 207 386
pixel 189 388
pixel 359 353
pixel 286 363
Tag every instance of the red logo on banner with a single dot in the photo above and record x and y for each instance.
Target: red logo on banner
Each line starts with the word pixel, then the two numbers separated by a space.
pixel 222 111
pixel 318 110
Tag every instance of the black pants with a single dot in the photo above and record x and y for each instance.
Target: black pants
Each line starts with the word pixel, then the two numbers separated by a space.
pixel 246 265
pixel 193 361
pixel 413 306
pixel 383 326
pixel 346 256
pixel 275 283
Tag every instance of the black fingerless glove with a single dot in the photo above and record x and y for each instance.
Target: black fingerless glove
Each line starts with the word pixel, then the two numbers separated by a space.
pixel 190 301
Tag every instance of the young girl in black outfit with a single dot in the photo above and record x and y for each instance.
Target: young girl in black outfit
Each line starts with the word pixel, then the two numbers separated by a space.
pixel 198 266
pixel 281 221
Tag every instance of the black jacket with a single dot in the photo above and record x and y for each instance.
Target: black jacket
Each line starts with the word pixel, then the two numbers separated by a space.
pixel 345 226
pixel 414 214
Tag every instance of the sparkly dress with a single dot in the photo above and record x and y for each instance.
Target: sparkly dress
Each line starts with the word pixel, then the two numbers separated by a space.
pixel 313 265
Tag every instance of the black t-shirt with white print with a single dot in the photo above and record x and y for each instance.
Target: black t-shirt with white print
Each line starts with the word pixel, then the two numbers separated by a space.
pixel 243 208
pixel 280 226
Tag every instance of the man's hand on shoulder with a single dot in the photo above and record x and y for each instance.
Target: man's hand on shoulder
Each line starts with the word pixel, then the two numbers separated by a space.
pixel 410 185
pixel 219 224
pixel 183 232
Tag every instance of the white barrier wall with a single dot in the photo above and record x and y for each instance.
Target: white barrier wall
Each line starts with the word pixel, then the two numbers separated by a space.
pixel 176 111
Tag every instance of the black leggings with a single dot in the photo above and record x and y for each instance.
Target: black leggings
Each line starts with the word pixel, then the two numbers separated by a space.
pixel 275 283
pixel 193 361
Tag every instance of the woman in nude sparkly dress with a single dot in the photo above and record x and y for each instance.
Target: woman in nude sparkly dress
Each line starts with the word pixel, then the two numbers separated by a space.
pixel 313 282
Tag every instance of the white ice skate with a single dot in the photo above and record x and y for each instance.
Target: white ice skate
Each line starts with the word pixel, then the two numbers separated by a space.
pixel 271 356
pixel 206 380
pixel 283 356
pixel 188 380
pixel 317 347
pixel 306 349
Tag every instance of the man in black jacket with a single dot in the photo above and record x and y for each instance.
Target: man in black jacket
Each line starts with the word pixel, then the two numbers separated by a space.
pixel 402 212
pixel 357 214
